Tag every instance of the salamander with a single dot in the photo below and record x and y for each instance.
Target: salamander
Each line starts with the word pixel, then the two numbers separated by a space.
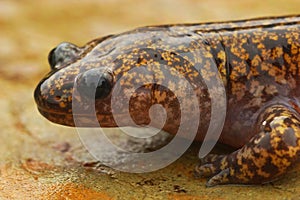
pixel 256 60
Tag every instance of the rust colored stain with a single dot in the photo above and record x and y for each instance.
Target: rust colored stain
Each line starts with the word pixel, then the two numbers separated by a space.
pixel 73 191
pixel 34 166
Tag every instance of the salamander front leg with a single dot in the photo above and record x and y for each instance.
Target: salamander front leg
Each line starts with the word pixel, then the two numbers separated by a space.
pixel 267 156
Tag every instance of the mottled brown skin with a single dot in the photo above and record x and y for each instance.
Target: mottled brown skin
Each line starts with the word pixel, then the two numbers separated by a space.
pixel 258 61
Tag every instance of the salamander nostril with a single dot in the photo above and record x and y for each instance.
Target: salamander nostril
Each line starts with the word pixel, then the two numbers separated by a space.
pixel 57 98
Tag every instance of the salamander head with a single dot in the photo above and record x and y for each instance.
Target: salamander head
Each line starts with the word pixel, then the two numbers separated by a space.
pixel 132 71
pixel 89 73
pixel 94 70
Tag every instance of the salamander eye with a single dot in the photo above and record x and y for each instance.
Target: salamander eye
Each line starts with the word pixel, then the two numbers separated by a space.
pixel 95 83
pixel 64 53
pixel 103 88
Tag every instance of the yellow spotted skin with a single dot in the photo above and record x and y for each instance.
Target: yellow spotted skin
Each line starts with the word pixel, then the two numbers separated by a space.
pixel 257 60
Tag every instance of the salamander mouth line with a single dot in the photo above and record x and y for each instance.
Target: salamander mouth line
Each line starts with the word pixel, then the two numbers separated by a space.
pixel 52 112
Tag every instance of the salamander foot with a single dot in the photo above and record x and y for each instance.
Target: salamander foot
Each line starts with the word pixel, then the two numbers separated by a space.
pixel 267 156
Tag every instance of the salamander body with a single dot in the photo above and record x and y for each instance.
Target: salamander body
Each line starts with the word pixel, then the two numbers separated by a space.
pixel 257 62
